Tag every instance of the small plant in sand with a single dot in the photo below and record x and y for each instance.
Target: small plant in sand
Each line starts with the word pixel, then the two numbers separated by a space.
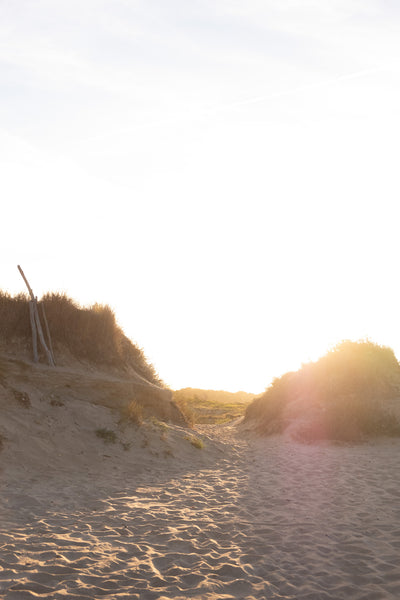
pixel 22 398
pixel 107 435
pixel 132 414
pixel 186 410
pixel 159 424
pixel 195 441
pixel 56 401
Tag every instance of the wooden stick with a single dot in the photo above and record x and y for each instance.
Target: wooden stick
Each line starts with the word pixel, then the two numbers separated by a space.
pixel 37 320
pixel 27 284
pixel 46 324
pixel 34 333
pixel 41 337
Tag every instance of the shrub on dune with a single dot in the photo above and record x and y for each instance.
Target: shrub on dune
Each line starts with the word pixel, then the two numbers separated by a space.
pixel 349 394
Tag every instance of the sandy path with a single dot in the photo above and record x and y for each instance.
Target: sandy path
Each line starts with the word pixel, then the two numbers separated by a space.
pixel 273 519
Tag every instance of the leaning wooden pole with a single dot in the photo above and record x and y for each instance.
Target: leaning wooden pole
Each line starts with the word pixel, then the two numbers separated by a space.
pixel 37 320
pixel 46 325
pixel 41 336
pixel 34 333
pixel 27 284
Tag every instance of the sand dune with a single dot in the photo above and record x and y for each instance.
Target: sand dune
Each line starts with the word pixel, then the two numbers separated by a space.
pixel 153 517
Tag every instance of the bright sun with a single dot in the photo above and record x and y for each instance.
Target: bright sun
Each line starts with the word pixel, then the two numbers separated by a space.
pixel 232 197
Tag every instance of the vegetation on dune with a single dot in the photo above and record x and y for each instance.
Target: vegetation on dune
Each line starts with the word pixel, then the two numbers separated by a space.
pixel 211 406
pixel 195 441
pixel 132 414
pixel 89 333
pixel 351 393
pixel 107 435
pixel 161 425
pixel 14 316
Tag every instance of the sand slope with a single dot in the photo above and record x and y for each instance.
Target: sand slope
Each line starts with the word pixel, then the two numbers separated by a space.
pixel 83 381
pixel 153 517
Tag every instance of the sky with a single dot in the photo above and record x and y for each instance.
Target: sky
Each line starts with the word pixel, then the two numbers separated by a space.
pixel 224 174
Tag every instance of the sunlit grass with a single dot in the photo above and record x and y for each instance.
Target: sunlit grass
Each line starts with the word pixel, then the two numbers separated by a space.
pixel 195 441
pixel 132 414
pixel 159 424
pixel 351 393
pixel 211 406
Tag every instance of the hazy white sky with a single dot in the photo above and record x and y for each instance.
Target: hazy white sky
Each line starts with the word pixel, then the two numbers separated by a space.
pixel 224 174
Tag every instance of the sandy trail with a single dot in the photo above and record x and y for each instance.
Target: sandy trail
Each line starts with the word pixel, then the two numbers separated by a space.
pixel 266 519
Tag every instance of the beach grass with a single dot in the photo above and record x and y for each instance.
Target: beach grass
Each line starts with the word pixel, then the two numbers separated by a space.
pixel 90 333
pixel 350 394
pixel 132 414
pixel 211 406
pixel 195 441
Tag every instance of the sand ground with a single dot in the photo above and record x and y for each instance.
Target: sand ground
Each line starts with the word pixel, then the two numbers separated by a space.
pixel 238 519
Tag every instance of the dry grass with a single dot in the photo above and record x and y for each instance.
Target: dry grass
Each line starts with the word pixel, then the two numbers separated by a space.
pixel 161 425
pixel 14 316
pixel 107 435
pixel 350 392
pixel 195 441
pixel 90 333
pixel 132 414
pixel 211 406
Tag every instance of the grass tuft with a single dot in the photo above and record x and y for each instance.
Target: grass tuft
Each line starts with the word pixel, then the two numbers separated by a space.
pixel 132 414
pixel 162 425
pixel 107 435
pixel 22 398
pixel 195 441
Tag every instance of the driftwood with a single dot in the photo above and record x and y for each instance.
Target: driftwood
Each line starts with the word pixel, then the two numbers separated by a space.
pixel 37 322
pixel 27 284
pixel 41 337
pixel 47 332
pixel 34 333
